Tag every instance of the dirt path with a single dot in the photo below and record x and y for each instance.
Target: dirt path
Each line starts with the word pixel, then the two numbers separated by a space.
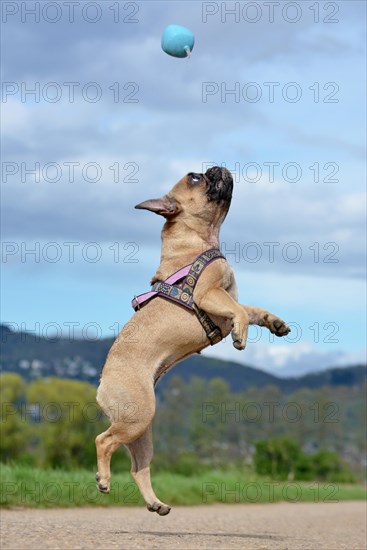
pixel 258 526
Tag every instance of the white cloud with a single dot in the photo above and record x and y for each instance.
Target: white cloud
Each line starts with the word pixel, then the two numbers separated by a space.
pixel 16 119
pixel 287 360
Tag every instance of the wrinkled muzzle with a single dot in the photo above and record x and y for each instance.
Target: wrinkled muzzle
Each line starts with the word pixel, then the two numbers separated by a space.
pixel 220 184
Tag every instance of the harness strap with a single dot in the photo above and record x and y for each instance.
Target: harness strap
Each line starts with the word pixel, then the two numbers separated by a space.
pixel 213 332
pixel 174 278
pixel 184 293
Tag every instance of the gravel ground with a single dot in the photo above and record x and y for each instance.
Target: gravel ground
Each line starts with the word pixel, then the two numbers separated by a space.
pixel 258 526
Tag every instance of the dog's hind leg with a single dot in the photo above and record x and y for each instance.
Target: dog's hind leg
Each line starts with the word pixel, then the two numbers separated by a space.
pixel 141 451
pixel 106 444
pixel 131 413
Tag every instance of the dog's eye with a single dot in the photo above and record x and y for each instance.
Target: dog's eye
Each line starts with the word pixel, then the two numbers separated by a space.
pixel 195 178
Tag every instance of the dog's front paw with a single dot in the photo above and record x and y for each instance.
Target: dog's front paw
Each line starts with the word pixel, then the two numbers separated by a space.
pixel 239 332
pixel 277 326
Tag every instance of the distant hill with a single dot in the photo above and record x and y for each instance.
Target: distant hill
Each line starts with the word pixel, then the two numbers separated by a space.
pixel 241 377
pixel 33 357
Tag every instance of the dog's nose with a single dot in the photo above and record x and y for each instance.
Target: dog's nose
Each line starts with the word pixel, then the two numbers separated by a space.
pixel 220 184
pixel 219 173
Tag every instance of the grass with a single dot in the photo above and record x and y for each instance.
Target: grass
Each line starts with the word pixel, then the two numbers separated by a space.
pixel 32 487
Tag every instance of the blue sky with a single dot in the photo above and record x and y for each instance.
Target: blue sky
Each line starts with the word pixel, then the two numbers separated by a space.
pixel 278 98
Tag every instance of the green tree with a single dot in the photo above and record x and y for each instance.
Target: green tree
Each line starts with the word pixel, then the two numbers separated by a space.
pixel 277 457
pixel 328 466
pixel 65 423
pixel 201 428
pixel 170 427
pixel 222 410
pixel 14 434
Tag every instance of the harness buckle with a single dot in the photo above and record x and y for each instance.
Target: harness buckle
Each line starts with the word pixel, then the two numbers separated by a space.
pixel 215 336
pixel 137 307
pixel 213 332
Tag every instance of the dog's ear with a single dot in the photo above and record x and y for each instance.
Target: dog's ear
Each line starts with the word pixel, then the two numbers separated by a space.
pixel 165 206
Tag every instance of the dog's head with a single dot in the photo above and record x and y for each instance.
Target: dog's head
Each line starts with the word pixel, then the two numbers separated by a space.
pixel 201 196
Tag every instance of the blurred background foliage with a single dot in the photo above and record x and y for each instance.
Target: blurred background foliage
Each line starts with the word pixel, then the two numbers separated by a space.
pixel 200 424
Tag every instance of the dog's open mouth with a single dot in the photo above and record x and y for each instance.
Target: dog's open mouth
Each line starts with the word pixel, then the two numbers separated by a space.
pixel 220 184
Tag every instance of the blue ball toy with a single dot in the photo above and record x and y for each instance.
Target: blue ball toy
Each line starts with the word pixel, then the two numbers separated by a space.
pixel 177 41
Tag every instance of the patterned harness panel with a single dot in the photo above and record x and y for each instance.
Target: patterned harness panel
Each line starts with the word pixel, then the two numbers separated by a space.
pixel 183 293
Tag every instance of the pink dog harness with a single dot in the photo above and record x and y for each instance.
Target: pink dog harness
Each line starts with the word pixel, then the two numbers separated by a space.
pixel 179 288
